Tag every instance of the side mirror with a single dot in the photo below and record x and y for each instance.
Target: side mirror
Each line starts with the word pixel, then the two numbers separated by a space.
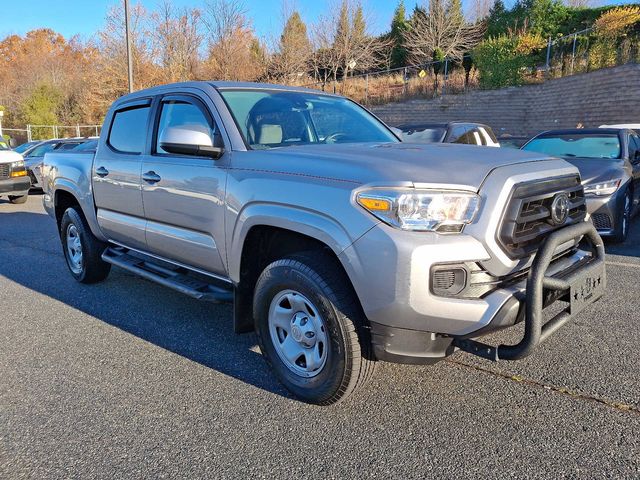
pixel 191 140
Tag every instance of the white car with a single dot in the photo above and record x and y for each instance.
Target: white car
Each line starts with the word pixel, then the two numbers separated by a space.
pixel 14 181
pixel 632 126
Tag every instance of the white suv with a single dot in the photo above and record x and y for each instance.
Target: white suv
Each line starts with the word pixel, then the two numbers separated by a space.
pixel 14 181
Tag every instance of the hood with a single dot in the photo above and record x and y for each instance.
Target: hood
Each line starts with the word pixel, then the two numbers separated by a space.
pixel 439 163
pixel 8 156
pixel 593 170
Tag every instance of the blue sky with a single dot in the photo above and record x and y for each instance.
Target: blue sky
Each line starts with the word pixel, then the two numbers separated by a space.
pixel 85 17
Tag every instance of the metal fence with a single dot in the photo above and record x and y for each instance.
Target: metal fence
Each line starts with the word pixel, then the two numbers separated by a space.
pixel 45 132
pixel 578 52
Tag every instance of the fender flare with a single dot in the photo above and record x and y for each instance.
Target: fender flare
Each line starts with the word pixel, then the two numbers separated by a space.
pixel 311 223
pixel 85 201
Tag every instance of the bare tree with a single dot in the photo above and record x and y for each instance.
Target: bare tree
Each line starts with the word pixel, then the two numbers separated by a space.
pixel 111 71
pixel 479 9
pixel 232 46
pixel 178 41
pixel 583 3
pixel 439 29
pixel 342 44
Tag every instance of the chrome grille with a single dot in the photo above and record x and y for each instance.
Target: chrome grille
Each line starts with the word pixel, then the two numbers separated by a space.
pixel 5 170
pixel 528 219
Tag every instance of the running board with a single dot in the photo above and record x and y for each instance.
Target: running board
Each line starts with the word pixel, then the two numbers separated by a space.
pixel 177 278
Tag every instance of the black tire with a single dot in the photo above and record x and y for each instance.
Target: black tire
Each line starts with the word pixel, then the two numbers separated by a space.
pixel 624 219
pixel 92 268
pixel 18 200
pixel 349 359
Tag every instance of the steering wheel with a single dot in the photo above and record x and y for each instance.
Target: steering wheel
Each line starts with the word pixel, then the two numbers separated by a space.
pixel 334 137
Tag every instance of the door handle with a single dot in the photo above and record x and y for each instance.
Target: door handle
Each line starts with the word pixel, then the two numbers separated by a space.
pixel 151 177
pixel 102 172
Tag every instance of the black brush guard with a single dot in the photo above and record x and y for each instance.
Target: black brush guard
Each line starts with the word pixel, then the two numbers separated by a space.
pixel 581 287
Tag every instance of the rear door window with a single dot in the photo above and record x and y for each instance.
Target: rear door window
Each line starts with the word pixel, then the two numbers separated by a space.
pixel 128 132
pixel 458 134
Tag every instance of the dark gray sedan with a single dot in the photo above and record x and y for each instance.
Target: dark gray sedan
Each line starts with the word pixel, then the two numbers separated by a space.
pixel 609 164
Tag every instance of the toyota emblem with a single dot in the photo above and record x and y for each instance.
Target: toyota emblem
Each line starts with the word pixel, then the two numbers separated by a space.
pixel 560 209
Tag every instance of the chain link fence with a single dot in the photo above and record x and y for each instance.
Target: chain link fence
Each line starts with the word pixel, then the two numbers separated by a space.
pixel 580 52
pixel 46 132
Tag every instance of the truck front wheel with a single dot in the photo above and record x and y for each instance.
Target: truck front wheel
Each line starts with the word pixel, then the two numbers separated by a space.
pixel 82 250
pixel 310 328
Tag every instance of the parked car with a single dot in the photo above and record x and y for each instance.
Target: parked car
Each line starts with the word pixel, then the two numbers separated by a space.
pixel 34 155
pixel 452 132
pixel 609 163
pixel 14 182
pixel 23 147
pixel 510 141
pixel 632 126
pixel 337 244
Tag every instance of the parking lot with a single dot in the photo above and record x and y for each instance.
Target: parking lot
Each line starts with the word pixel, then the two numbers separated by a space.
pixel 129 379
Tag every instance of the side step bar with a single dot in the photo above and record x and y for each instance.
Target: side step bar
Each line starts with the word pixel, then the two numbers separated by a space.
pixel 174 277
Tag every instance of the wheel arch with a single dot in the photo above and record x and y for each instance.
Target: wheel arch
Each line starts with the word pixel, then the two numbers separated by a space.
pixel 65 196
pixel 265 242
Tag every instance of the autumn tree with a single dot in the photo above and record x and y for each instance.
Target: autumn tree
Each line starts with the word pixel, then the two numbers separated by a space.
pixel 233 51
pixel 110 73
pixel 178 42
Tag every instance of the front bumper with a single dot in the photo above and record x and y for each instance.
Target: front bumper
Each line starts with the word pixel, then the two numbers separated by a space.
pixel 605 212
pixel 409 324
pixel 15 187
pixel 35 175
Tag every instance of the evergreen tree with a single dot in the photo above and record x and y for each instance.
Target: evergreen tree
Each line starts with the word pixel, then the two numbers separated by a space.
pixel 399 25
pixel 359 24
pixel 454 10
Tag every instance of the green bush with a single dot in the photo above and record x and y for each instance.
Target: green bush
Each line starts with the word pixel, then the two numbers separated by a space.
pixel 505 60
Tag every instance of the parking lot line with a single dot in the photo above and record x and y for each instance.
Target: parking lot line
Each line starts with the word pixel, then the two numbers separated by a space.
pixel 620 406
pixel 624 264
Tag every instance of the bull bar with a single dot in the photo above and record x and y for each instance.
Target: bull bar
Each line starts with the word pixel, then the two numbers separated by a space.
pixel 590 275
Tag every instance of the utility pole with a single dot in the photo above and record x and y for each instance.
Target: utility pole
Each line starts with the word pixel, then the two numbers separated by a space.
pixel 128 40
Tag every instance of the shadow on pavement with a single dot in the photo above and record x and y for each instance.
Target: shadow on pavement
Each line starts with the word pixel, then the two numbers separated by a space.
pixel 199 331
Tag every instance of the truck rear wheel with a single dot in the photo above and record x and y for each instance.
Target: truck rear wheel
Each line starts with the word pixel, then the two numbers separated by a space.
pixel 82 250
pixel 310 328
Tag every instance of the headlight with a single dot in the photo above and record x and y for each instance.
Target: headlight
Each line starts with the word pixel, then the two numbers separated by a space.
pixel 422 210
pixel 603 188
pixel 18 169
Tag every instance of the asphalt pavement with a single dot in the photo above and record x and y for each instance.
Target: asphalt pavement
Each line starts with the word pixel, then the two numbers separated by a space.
pixel 127 379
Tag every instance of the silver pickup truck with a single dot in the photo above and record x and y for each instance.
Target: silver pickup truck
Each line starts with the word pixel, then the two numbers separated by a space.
pixel 338 245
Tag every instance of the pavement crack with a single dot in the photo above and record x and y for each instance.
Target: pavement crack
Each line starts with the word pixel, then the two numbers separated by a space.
pixel 619 406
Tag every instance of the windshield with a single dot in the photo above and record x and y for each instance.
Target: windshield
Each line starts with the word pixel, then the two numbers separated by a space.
pixel 276 118
pixel 24 146
pixel 4 144
pixel 422 134
pixel 577 145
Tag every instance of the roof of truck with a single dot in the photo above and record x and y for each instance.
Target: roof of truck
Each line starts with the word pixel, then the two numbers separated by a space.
pixel 219 85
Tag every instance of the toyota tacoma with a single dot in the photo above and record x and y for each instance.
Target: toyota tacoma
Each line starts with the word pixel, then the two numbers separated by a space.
pixel 338 245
